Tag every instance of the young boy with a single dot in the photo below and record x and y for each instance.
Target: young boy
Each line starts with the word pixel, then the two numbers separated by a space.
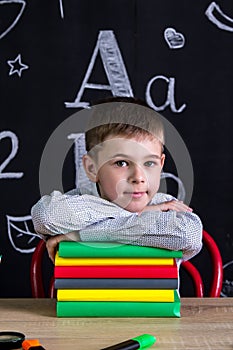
pixel 124 143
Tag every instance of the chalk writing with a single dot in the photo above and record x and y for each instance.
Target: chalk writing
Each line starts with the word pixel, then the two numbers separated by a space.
pixel 114 68
pixel 61 8
pixel 81 180
pixel 22 4
pixel 17 66
pixel 170 95
pixel 174 39
pixel 20 236
pixel 14 149
pixel 119 83
pixel 181 190
pixel 219 18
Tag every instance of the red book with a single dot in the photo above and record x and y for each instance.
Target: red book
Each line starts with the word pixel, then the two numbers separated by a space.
pixel 129 271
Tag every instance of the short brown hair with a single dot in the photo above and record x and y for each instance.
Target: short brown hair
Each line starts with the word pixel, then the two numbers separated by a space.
pixel 122 116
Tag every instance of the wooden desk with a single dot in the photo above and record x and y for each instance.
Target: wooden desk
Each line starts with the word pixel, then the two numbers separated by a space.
pixel 206 323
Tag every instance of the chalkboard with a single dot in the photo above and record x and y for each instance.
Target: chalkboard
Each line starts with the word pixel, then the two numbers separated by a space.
pixel 58 56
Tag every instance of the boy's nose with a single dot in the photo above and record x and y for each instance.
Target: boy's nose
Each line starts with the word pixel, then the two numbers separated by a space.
pixel 136 175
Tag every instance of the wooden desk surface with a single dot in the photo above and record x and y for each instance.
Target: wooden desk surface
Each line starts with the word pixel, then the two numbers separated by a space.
pixel 206 323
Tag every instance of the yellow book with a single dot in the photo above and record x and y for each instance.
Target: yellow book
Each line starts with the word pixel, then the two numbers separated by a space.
pixel 143 295
pixel 59 261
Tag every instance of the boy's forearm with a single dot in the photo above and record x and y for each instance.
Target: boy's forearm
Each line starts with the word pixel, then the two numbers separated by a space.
pixel 170 230
pixel 61 213
pixel 99 220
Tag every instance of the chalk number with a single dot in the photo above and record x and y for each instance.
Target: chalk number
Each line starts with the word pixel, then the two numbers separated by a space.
pixel 12 154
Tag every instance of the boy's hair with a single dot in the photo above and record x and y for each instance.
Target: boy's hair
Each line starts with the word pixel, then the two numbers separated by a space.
pixel 122 116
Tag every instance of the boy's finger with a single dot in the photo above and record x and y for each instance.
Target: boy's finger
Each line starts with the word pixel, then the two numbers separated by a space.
pixel 178 206
pixel 183 207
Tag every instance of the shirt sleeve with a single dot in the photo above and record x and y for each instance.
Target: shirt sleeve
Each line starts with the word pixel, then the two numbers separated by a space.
pixel 99 220
pixel 169 230
pixel 63 213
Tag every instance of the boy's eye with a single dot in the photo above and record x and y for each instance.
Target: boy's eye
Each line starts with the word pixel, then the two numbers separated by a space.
pixel 150 163
pixel 121 163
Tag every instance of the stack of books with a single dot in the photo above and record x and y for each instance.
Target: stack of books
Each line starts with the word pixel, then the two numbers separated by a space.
pixel 114 280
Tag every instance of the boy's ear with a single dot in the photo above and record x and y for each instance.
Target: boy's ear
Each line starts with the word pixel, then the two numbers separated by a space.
pixel 162 160
pixel 90 168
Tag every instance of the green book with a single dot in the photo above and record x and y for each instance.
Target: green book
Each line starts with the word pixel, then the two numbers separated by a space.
pixel 118 309
pixel 69 249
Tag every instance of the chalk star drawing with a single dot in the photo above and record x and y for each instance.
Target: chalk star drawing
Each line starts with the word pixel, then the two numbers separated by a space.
pixel 17 66
pixel 174 39
pixel 218 17
pixel 4 20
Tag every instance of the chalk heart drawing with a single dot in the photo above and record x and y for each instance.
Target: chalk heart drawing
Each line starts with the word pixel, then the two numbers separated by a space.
pixel 174 39
pixel 9 22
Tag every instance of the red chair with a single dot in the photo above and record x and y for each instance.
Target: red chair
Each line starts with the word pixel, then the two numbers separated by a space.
pixel 217 269
pixel 36 275
pixel 38 290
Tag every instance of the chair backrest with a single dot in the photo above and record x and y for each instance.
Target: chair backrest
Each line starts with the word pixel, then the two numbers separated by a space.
pixel 217 269
pixel 36 273
pixel 38 290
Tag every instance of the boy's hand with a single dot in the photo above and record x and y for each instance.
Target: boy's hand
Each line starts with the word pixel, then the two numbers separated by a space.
pixel 52 243
pixel 174 205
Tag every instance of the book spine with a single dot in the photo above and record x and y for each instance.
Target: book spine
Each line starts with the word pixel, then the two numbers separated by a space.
pixel 144 295
pixel 133 271
pixel 114 283
pixel 117 309
pixel 59 261
pixel 108 250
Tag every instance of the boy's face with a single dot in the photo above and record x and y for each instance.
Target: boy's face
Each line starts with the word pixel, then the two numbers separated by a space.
pixel 127 171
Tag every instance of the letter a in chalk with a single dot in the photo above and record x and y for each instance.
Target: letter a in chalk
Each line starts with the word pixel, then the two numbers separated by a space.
pixel 114 68
pixel 170 95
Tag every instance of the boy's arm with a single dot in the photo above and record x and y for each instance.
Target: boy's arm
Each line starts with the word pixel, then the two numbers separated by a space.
pixel 99 220
pixel 63 213
pixel 170 230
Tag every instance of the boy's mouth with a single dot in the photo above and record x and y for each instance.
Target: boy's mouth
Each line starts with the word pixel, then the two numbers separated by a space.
pixel 136 194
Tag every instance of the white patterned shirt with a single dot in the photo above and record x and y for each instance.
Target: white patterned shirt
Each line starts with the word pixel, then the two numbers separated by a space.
pixel 96 219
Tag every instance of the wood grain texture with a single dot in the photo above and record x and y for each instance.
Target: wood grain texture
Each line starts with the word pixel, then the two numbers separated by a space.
pixel 206 323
